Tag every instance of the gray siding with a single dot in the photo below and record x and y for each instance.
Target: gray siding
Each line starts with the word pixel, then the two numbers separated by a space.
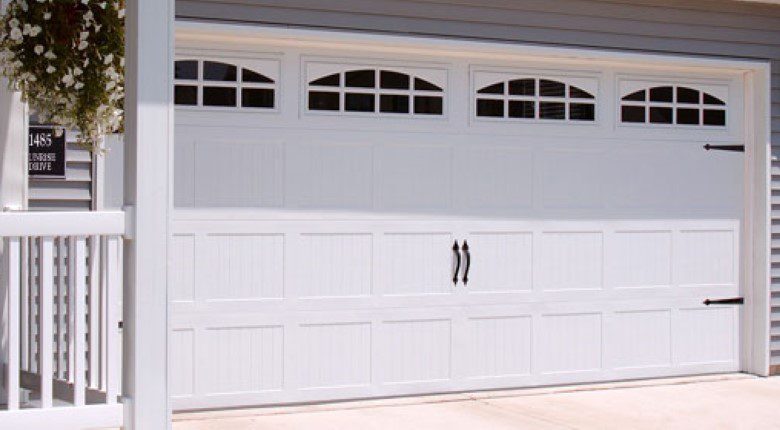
pixel 699 27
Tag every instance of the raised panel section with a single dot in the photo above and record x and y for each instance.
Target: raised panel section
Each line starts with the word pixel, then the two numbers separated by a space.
pixel 505 261
pixel 640 339
pixel 494 178
pixel 571 260
pixel 336 265
pixel 182 268
pixel 572 180
pixel 642 258
pixel 244 267
pixel 413 177
pixel 238 174
pixel 569 343
pixel 243 359
pixel 329 176
pixel 417 351
pixel 706 258
pixel 499 346
pixel 181 362
pixel 335 355
pixel 417 263
pixel 705 335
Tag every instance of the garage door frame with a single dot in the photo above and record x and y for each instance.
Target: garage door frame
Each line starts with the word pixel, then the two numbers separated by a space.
pixel 756 229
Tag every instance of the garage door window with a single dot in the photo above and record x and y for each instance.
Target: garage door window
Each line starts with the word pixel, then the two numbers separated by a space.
pixel 375 91
pixel 673 105
pixel 218 84
pixel 535 99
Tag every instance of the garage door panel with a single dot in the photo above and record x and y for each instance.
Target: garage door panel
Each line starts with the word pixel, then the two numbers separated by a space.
pixel 334 265
pixel 181 361
pixel 572 180
pixel 329 175
pixel 706 335
pixel 569 343
pixel 416 263
pixel 707 257
pixel 639 339
pixel 502 261
pixel 335 354
pixel 571 260
pixel 416 351
pixel 413 178
pixel 499 346
pixel 491 178
pixel 640 259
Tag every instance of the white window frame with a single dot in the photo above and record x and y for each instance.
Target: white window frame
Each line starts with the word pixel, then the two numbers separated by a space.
pixel 268 67
pixel 343 66
pixel 674 105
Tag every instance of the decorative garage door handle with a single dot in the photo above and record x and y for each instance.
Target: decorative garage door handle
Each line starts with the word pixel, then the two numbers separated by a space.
pixel 467 254
pixel 731 301
pixel 456 251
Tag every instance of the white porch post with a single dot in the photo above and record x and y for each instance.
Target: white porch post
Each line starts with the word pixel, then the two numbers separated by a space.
pixel 148 179
pixel 13 149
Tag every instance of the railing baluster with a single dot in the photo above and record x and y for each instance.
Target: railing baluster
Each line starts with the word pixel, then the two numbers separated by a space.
pixel 114 278
pixel 94 312
pixel 62 288
pixel 46 309
pixel 34 312
pixel 12 268
pixel 77 317
pixel 25 305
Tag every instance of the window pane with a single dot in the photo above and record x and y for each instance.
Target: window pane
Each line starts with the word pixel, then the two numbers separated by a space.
pixel 688 116
pixel 428 105
pixel 638 96
pixel 493 89
pixel 548 110
pixel 423 85
pixel 661 94
pixel 522 87
pixel 393 80
pixel 213 71
pixel 632 114
pixel 577 93
pixel 687 95
pixel 359 102
pixel 714 117
pixel 522 109
pixel 361 79
pixel 710 100
pixel 185 95
pixel 660 115
pixel 323 100
pixel 394 103
pixel 549 88
pixel 490 108
pixel 582 112
pixel 250 76
pixel 186 69
pixel 333 80
pixel 219 96
pixel 257 97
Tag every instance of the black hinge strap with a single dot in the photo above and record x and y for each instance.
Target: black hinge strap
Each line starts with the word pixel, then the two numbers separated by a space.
pixel 734 148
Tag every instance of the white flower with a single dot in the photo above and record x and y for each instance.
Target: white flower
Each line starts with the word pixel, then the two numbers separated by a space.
pixel 27 29
pixel 83 45
pixel 47 16
pixel 36 30
pixel 16 34
pixel 85 1
pixel 77 71
pixel 50 69
pixel 83 35
pixel 38 49
pixel 108 59
pixel 68 80
pixel 89 16
pixel 103 5
pixel 120 13
pixel 110 85
pixel 50 55
pixel 78 85
pixel 13 23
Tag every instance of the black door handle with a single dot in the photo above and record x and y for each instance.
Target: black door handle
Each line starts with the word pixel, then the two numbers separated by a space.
pixel 731 301
pixel 456 251
pixel 468 262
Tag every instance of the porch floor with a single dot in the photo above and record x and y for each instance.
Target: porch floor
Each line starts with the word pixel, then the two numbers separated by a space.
pixel 715 402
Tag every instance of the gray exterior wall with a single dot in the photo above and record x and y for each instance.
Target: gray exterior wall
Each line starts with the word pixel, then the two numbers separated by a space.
pixel 699 27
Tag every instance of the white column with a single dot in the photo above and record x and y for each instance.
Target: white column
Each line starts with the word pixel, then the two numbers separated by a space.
pixel 148 180
pixel 13 149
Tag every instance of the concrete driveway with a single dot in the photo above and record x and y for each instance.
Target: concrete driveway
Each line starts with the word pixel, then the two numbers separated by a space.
pixel 710 402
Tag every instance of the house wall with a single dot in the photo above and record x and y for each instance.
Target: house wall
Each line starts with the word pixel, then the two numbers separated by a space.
pixel 695 27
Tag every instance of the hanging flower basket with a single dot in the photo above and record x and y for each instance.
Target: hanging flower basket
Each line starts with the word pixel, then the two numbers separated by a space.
pixel 67 59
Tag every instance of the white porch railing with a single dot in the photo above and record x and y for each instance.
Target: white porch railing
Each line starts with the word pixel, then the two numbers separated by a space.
pixel 60 292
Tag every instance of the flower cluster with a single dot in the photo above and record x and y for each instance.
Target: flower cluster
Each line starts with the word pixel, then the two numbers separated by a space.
pixel 67 59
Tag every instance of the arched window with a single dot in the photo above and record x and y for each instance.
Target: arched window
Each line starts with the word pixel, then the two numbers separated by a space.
pixel 377 91
pixel 218 84
pixel 535 99
pixel 673 105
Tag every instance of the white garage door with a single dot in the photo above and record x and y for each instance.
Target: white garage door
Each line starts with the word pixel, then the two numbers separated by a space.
pixel 354 224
